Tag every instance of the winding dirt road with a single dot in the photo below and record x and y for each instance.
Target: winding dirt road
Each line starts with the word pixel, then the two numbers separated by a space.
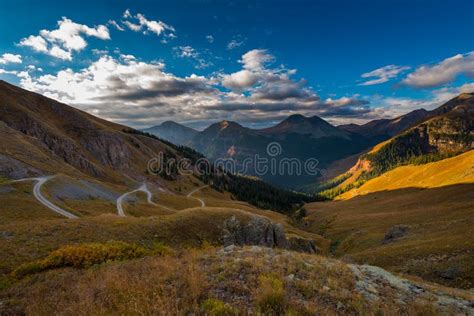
pixel 40 197
pixel 142 188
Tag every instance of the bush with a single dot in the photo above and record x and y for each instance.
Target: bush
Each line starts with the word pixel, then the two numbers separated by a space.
pixel 82 256
pixel 214 307
pixel 161 249
pixel 270 296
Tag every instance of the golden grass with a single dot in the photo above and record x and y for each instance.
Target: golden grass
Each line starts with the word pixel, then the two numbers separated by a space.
pixel 455 170
pixel 440 222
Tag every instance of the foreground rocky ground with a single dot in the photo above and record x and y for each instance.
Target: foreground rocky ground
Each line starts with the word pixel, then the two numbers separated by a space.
pixel 228 281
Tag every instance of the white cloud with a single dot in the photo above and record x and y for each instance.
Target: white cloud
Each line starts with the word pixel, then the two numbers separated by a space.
pixel 70 34
pixel 256 59
pixel 116 25
pixel 60 53
pixel 37 43
pixel 67 38
pixel 8 58
pixel 133 92
pixel 127 14
pixel 190 52
pixel 186 51
pixel 142 23
pixel 133 27
pixel 239 80
pixel 382 74
pixel 234 44
pixel 126 90
pixel 442 73
pixel 210 38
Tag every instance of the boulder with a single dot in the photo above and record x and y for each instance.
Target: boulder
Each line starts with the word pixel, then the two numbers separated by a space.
pixel 258 231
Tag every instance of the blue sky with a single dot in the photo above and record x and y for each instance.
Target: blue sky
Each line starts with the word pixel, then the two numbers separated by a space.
pixel 255 62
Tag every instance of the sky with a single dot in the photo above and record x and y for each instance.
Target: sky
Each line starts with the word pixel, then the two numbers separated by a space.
pixel 197 62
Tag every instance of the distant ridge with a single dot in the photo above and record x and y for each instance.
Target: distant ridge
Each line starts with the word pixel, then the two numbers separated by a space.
pixel 173 132
pixel 388 127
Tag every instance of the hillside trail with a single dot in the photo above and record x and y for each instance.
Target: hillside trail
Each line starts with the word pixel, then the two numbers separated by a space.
pixel 142 188
pixel 42 199
pixel 203 204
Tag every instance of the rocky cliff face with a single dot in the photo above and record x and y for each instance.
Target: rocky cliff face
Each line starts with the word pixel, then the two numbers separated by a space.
pixel 261 231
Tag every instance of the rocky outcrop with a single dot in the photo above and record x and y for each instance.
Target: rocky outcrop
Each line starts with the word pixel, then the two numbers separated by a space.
pixel 14 169
pixel 61 145
pixel 109 149
pixel 258 231
pixel 372 281
pixel 303 245
pixel 262 232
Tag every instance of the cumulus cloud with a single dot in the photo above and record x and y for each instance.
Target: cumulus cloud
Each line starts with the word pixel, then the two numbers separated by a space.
pixel 256 59
pixel 446 71
pixel 253 72
pixel 139 22
pixel 69 37
pixel 126 90
pixel 37 43
pixel 382 74
pixel 129 91
pixel 240 80
pixel 8 58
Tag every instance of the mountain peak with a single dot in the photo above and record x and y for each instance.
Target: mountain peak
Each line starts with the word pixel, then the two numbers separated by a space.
pixel 226 124
pixel 172 132
pixel 295 118
pixel 300 124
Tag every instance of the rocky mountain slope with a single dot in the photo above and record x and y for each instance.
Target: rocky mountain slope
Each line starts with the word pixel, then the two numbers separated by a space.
pixel 41 135
pixel 448 131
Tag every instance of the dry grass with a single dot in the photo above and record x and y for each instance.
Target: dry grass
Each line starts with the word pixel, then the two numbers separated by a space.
pixel 19 205
pixel 206 282
pixel 440 222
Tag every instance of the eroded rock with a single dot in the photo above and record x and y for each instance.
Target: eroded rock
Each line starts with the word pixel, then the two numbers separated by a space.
pixel 263 232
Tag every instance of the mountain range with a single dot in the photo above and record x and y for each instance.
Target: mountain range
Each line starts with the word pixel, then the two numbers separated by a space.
pixel 298 136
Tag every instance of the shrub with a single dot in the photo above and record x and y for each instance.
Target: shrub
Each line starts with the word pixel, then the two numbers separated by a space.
pixel 82 256
pixel 270 295
pixel 214 307
pixel 161 249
